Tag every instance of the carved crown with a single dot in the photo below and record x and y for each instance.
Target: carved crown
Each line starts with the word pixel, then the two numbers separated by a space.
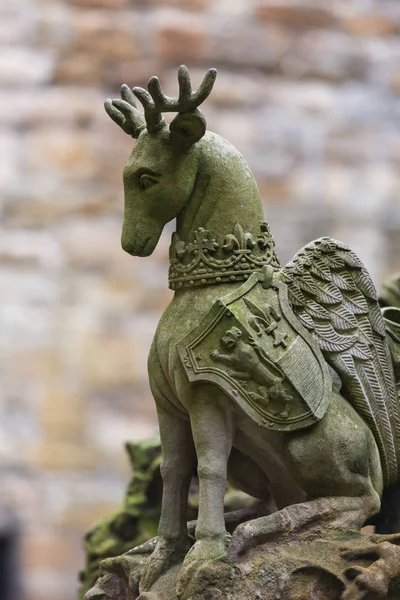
pixel 205 261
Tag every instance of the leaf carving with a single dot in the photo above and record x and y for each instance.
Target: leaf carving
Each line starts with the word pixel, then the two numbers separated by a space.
pixel 306 320
pixel 321 270
pixel 307 284
pixel 334 261
pixel 364 283
pixel 356 303
pixel 351 260
pixel 360 351
pixel 326 245
pixel 343 319
pixel 296 296
pixel 344 364
pixel 327 332
pixel 317 311
pixel 329 294
pixel 344 281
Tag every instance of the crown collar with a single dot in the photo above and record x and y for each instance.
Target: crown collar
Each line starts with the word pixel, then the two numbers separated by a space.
pixel 206 261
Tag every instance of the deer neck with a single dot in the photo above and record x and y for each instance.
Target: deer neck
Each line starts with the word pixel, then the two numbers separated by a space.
pixel 221 236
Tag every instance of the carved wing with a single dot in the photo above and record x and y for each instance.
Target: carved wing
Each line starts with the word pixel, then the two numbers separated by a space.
pixel 333 296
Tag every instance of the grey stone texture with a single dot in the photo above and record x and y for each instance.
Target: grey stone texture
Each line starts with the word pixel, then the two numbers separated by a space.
pixel 320 130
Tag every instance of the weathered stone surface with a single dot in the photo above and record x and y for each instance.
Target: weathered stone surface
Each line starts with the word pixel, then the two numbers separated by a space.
pixel 313 107
pixel 298 568
pixel 332 480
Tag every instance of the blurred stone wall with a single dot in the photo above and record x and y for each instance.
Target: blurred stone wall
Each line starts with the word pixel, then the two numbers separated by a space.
pixel 308 91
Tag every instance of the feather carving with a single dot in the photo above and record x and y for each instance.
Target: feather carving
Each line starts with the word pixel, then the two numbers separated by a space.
pixel 333 296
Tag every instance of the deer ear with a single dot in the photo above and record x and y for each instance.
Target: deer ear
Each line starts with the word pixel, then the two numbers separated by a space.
pixel 187 128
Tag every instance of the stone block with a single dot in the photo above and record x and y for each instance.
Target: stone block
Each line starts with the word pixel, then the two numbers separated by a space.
pixel 99 39
pixel 392 262
pixel 68 153
pixel 81 105
pixel 44 210
pixel 349 147
pixel 132 72
pixel 22 66
pixel 79 68
pixel 10 152
pixel 109 4
pixel 240 8
pixel 29 248
pixel 238 127
pixel 82 517
pixel 275 189
pixel 330 55
pixel 95 243
pixel 254 45
pixel 181 37
pixel 49 584
pixel 185 4
pixel 139 422
pixel 55 25
pixel 62 416
pixel 377 25
pixel 46 549
pixel 20 25
pixel 297 16
pixel 64 456
pixel 112 360
pixel 237 90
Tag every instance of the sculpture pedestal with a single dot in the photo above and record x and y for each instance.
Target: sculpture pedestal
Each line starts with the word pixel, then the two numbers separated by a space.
pixel 348 566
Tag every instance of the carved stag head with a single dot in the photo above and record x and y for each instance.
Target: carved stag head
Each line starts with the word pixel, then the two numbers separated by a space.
pixel 160 174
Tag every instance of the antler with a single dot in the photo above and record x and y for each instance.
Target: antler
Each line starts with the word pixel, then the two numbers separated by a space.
pixel 125 114
pixel 187 101
pixel 155 102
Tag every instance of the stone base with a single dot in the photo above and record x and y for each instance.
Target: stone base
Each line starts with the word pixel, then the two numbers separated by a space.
pixel 347 566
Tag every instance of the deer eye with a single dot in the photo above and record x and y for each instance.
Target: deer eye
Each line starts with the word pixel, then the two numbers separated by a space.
pixel 147 181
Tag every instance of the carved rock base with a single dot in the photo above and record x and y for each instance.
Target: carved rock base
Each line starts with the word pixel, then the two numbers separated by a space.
pixel 348 566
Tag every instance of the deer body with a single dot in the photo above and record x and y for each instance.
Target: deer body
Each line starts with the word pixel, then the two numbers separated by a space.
pixel 199 426
pixel 333 467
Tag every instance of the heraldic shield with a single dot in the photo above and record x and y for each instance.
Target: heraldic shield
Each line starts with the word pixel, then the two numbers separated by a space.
pixel 254 348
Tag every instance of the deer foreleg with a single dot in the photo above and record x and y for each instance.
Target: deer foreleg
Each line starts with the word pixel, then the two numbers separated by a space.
pixel 176 471
pixel 213 432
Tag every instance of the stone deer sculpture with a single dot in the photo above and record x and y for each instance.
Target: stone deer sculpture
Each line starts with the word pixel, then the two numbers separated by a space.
pixel 280 378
